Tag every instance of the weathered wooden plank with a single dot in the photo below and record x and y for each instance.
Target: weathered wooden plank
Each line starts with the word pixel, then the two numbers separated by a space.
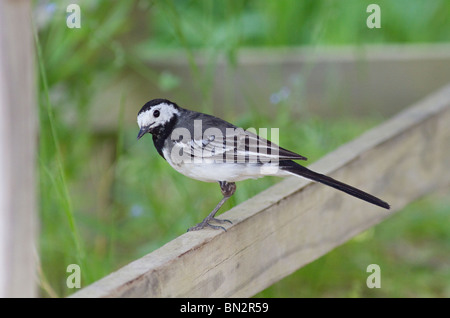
pixel 325 81
pixel 17 151
pixel 297 221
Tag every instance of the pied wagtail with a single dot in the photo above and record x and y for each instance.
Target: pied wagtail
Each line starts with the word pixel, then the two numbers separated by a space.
pixel 207 148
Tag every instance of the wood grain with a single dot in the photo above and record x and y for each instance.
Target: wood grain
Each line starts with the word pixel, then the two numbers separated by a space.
pixel 296 221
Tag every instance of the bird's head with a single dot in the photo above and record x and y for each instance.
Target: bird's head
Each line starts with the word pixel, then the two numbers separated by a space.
pixel 155 114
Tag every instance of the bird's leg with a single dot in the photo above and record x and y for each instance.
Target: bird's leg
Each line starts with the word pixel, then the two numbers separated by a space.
pixel 228 189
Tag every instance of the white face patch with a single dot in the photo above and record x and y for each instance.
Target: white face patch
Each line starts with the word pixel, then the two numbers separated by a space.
pixel 148 118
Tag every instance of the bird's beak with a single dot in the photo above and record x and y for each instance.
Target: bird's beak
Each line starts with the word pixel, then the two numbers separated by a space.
pixel 142 132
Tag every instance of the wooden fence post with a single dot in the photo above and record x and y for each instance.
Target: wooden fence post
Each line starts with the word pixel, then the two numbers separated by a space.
pixel 17 151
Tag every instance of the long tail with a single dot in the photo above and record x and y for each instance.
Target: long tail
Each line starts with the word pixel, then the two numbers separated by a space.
pixel 299 170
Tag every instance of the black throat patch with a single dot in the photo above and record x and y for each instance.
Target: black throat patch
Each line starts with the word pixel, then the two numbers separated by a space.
pixel 159 134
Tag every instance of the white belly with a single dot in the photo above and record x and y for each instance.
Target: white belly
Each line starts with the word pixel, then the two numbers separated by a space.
pixel 231 172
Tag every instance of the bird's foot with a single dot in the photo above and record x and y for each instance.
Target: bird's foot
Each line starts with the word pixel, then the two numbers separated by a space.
pixel 205 223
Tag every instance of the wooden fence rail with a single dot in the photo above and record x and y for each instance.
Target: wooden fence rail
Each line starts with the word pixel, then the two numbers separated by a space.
pixel 297 221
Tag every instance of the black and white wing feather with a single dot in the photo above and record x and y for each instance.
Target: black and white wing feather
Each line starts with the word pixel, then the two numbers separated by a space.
pixel 233 145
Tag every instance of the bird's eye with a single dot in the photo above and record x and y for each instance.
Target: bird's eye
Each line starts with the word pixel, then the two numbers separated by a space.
pixel 156 113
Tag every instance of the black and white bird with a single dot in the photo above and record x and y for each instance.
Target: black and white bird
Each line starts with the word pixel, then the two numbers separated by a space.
pixel 207 148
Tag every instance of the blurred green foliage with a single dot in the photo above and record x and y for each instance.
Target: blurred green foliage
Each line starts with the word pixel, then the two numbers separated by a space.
pixel 106 200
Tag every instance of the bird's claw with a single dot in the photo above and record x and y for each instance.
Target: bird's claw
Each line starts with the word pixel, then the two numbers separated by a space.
pixel 205 223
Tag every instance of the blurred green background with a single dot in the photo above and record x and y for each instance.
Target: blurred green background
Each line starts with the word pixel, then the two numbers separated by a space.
pixel 106 199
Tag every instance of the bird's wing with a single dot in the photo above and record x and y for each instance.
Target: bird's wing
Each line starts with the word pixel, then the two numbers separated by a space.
pixel 236 145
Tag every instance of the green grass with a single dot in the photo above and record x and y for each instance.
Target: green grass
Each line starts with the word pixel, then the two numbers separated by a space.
pixel 105 199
